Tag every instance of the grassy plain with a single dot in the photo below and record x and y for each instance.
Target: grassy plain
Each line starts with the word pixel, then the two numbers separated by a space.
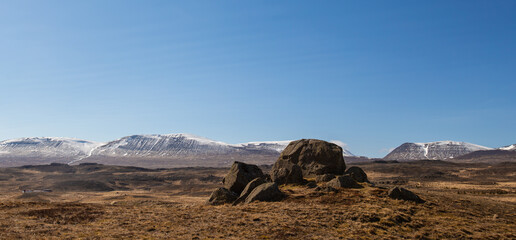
pixel 463 201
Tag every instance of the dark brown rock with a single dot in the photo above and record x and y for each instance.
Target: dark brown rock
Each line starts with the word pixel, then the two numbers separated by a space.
pixel 404 194
pixel 240 175
pixel 249 188
pixel 357 173
pixel 324 178
pixel 284 172
pixel 345 181
pixel 268 192
pixel 315 157
pixel 222 196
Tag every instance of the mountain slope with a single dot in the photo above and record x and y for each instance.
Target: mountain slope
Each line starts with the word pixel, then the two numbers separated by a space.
pixel 182 150
pixel 432 150
pixel 44 150
pixel 491 156
pixel 161 145
pixel 503 154
pixel 47 147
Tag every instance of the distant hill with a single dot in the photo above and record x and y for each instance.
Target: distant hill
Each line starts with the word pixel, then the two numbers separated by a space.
pixel 441 150
pixel 503 154
pixel 44 150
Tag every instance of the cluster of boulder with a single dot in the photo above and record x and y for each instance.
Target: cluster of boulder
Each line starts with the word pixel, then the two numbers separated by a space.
pixel 319 160
pixel 245 183
pixel 301 160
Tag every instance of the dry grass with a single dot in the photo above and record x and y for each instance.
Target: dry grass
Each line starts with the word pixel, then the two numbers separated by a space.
pixel 174 209
pixel 350 214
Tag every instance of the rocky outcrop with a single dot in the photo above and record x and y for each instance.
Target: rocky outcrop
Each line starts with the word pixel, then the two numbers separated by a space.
pixel 245 182
pixel 249 188
pixel 222 196
pixel 404 194
pixel 268 192
pixel 314 157
pixel 357 173
pixel 345 181
pixel 239 175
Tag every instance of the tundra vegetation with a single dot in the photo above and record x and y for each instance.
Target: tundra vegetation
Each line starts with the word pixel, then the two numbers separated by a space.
pixel 93 201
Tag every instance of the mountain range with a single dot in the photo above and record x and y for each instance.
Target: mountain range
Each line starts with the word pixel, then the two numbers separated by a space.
pixel 187 150
pixel 167 150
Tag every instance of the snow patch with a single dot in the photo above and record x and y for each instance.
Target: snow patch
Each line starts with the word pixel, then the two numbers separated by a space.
pixel 277 146
pixel 469 146
pixel 509 148
pixel 425 149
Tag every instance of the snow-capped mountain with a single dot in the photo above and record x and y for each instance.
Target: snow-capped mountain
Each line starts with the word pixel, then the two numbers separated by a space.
pixel 43 150
pixel 432 150
pixel 47 147
pixel 167 150
pixel 182 150
pixel 161 145
pixel 509 148
pixel 184 144
pixel 268 145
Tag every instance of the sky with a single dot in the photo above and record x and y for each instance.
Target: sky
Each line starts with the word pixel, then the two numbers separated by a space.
pixel 372 74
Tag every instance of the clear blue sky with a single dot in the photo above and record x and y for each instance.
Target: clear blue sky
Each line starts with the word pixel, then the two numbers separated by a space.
pixel 373 74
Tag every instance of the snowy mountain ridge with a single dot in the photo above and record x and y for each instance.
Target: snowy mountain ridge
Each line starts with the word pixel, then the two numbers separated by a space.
pixel 433 150
pixel 162 146
pixel 509 148
pixel 47 147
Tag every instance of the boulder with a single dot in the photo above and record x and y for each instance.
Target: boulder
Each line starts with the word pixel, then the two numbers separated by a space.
pixel 249 188
pixel 404 194
pixel 240 175
pixel 345 181
pixel 324 178
pixel 357 173
pixel 221 196
pixel 315 157
pixel 267 192
pixel 284 172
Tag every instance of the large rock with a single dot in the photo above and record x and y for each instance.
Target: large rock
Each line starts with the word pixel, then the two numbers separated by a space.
pixel 345 181
pixel 221 196
pixel 249 188
pixel 404 194
pixel 284 172
pixel 240 175
pixel 357 173
pixel 315 157
pixel 268 192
